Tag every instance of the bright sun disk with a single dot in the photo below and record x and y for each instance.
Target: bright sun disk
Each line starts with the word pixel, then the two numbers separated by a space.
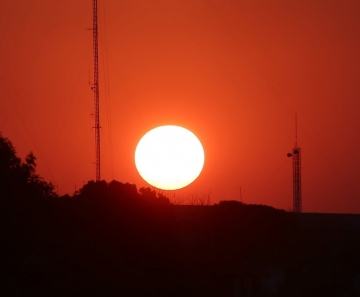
pixel 169 157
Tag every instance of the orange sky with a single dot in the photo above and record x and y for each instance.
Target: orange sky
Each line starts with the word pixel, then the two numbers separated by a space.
pixel 233 72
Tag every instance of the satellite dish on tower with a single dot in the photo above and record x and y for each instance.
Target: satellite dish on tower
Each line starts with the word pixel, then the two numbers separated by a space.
pixel 296 156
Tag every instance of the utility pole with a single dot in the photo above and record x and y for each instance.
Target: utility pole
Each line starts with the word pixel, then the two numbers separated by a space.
pixel 95 88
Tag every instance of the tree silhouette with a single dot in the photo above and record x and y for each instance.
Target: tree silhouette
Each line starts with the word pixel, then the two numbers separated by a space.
pixel 18 178
pixel 154 196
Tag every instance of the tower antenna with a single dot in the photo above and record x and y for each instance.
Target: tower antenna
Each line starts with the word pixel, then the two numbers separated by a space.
pixel 296 157
pixel 95 88
pixel 295 129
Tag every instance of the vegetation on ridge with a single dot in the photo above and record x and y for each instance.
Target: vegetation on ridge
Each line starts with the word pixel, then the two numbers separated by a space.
pixel 115 239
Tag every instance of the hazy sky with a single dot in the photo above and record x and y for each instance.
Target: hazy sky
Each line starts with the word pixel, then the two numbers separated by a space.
pixel 233 72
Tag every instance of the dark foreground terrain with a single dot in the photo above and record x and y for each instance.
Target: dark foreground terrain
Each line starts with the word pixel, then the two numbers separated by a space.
pixel 115 240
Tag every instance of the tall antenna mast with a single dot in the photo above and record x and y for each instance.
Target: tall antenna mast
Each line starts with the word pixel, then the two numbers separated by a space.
pixel 96 90
pixel 295 129
pixel 296 156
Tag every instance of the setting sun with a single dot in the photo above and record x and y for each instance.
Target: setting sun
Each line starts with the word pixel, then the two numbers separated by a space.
pixel 169 157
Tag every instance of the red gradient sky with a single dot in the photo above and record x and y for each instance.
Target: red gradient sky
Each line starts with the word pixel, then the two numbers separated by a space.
pixel 233 72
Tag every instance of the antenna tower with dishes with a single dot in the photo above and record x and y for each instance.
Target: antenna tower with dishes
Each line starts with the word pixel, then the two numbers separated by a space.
pixel 296 157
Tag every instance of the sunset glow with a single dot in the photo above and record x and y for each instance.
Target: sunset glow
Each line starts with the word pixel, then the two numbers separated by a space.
pixel 233 72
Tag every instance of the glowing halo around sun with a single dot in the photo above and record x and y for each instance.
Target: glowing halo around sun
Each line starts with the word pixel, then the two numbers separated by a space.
pixel 169 157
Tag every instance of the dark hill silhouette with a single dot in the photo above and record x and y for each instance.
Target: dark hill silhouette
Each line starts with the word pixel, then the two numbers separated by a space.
pixel 114 239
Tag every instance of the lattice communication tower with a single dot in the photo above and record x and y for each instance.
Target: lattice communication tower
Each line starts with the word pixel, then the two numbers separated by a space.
pixel 296 157
pixel 95 88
